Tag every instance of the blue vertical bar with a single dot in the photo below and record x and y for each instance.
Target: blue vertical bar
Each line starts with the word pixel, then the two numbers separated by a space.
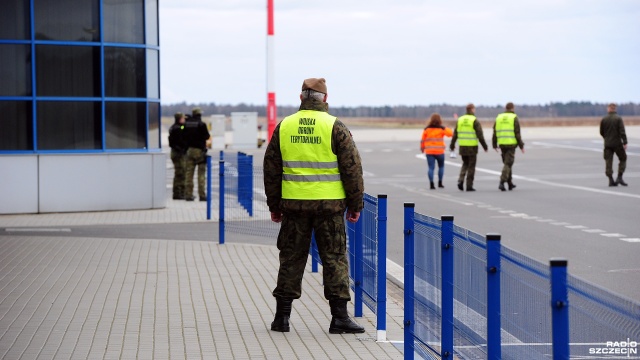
pixel 103 86
pixel 359 265
pixel 208 187
pixel 314 254
pixel 494 352
pixel 447 287
pixel 240 184
pixel 381 301
pixel 559 309
pixel 221 202
pixel 350 252
pixel 250 184
pixel 221 154
pixel 34 108
pixel 409 317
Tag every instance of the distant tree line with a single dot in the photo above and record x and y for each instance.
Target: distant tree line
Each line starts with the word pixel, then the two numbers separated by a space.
pixel 551 110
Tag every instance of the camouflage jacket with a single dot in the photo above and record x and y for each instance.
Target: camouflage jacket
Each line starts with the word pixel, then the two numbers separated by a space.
pixel 349 164
pixel 469 150
pixel 612 131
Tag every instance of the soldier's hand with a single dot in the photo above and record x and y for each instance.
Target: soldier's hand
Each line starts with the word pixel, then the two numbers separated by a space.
pixel 522 150
pixel 276 217
pixel 496 149
pixel 353 216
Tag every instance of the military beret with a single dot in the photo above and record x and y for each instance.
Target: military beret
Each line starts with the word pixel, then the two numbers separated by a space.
pixel 317 84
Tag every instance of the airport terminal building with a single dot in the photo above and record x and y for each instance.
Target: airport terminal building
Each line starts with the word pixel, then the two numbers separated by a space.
pixel 80 106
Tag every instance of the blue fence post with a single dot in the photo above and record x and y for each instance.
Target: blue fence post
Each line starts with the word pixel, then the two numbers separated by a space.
pixel 494 352
pixel 381 300
pixel 559 309
pixel 241 179
pixel 250 184
pixel 221 202
pixel 447 287
pixel 209 187
pixel 359 267
pixel 314 254
pixel 409 311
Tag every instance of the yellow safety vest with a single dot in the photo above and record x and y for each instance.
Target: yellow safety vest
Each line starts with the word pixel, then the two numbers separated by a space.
pixel 310 168
pixel 505 125
pixel 466 133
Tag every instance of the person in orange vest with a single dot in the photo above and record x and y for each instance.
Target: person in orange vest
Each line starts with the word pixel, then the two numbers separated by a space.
pixel 432 144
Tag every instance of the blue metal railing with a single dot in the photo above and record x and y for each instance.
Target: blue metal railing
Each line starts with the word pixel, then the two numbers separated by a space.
pixel 502 304
pixel 367 249
pixel 466 296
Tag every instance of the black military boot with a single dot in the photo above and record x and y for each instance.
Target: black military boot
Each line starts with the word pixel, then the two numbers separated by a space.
pixel 432 185
pixel 620 181
pixel 283 312
pixel 460 186
pixel 511 185
pixel 341 323
pixel 612 182
pixel 440 184
pixel 501 186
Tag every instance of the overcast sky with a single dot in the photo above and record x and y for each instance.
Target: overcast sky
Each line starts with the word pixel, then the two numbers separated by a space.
pixel 403 52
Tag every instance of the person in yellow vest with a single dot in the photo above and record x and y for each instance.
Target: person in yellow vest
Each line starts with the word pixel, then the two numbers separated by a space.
pixel 468 133
pixel 432 144
pixel 506 135
pixel 313 180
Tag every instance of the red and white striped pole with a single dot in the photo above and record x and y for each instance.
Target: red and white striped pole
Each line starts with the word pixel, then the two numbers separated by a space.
pixel 271 91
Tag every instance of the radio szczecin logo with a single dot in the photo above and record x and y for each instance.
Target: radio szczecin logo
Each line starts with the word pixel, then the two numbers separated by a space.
pixel 627 347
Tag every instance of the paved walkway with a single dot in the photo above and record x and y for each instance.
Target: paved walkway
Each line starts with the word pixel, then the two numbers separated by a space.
pixel 96 298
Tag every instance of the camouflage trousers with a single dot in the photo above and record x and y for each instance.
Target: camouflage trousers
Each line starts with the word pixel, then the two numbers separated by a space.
pixel 195 157
pixel 608 159
pixel 294 241
pixel 508 154
pixel 179 167
pixel 468 169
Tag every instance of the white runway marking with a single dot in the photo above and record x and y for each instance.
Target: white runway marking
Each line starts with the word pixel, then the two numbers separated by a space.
pixel 38 229
pixel 543 182
pixel 513 213
pixel 613 235
pixel 562 146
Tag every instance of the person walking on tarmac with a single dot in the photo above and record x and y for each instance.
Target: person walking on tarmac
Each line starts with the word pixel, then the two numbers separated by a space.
pixel 312 176
pixel 615 142
pixel 432 144
pixel 506 135
pixel 469 132
pixel 178 146
pixel 196 135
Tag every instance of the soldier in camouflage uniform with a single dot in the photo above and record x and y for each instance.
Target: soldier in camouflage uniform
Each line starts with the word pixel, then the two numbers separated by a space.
pixel 196 134
pixel 178 147
pixel 308 194
pixel 470 133
pixel 615 142
pixel 506 135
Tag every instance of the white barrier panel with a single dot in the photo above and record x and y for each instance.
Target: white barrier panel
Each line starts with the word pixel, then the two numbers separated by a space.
pixel 217 130
pixel 245 130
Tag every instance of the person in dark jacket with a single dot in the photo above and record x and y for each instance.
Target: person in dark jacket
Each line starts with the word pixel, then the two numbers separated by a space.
pixel 468 132
pixel 615 142
pixel 196 135
pixel 178 147
pixel 312 177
